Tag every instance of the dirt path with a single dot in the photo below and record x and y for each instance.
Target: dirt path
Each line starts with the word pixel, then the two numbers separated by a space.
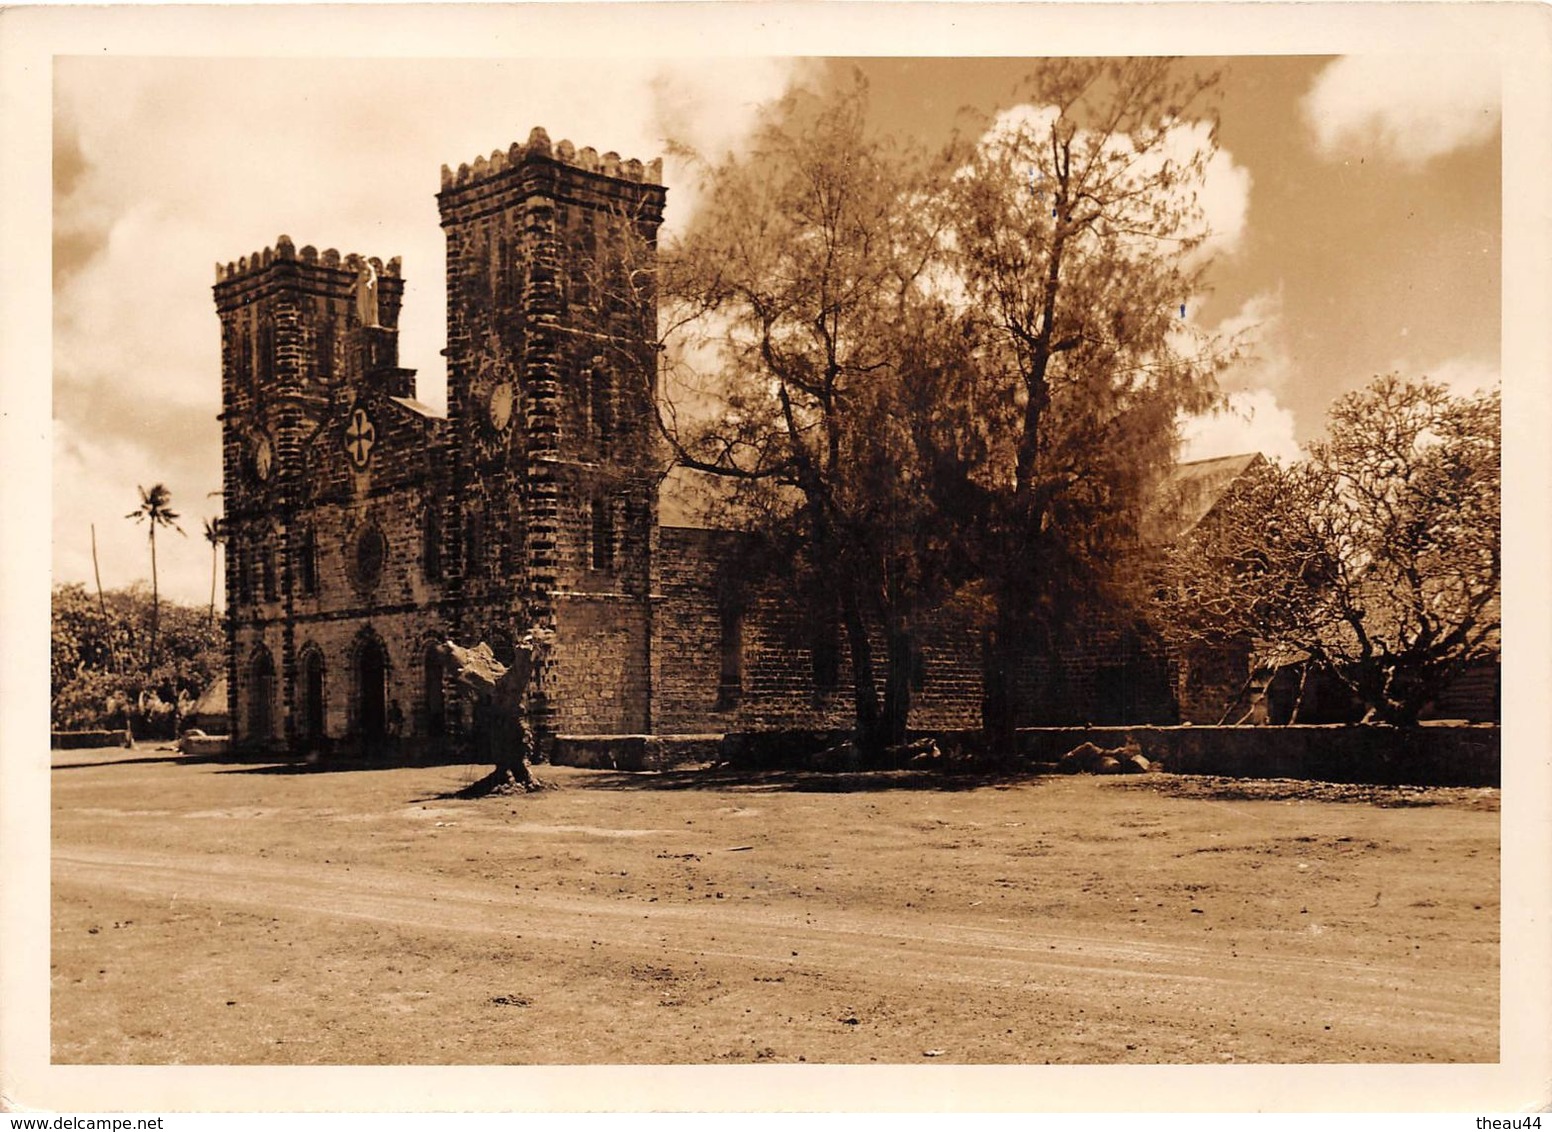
pixel 936 951
pixel 266 937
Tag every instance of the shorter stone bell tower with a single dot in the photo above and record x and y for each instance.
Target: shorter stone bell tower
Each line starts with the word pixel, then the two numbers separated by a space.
pixel 297 327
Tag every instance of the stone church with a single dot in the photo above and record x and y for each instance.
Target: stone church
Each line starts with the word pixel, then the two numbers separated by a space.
pixel 365 527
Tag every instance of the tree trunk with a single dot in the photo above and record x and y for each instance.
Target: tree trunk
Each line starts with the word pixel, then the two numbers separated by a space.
pixel 102 606
pixel 501 740
pixel 212 585
pixel 1298 699
pixel 865 692
pixel 155 602
pixel 999 666
pixel 897 684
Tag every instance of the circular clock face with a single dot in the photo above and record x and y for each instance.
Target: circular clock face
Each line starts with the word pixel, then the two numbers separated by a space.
pixel 263 457
pixel 500 406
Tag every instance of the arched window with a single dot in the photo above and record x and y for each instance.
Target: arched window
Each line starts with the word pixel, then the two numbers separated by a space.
pixel 824 642
pixel 602 534
pixel 240 566
pixel 325 349
pixel 473 544
pixel 517 537
pixel 244 355
pixel 314 711
pixel 307 562
pixel 584 265
pixel 433 695
pixel 600 406
pixel 371 689
pixel 730 675
pixel 500 267
pixel 264 366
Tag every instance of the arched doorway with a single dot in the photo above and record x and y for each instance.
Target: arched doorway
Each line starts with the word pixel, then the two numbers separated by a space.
pixel 432 693
pixel 312 697
pixel 371 691
pixel 261 696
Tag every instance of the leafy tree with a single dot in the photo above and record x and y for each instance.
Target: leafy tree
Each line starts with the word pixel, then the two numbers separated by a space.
pixel 155 510
pixel 1378 558
pixel 805 280
pixel 1076 235
pixel 86 689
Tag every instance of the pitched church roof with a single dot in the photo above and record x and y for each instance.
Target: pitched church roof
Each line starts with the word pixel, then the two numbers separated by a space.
pixel 418 407
pixel 1190 491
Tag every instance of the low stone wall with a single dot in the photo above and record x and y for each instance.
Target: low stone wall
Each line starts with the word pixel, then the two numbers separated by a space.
pixel 776 750
pixel 1415 756
pixel 75 740
pixel 633 752
pixel 1391 756
pixel 204 745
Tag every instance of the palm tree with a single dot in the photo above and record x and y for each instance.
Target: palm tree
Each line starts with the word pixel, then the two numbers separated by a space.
pixel 215 535
pixel 154 508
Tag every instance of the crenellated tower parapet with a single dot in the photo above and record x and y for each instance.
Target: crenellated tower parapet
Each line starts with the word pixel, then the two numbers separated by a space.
pixel 326 274
pixel 285 251
pixel 538 148
pixel 298 330
pixel 301 323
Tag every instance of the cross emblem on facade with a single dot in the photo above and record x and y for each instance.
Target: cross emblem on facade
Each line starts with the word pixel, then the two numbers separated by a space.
pixel 360 437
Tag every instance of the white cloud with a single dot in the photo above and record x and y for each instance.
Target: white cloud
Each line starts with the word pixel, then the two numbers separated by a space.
pixel 1462 376
pixel 1258 330
pixel 1225 200
pixel 1221 196
pixel 1408 109
pixel 1252 421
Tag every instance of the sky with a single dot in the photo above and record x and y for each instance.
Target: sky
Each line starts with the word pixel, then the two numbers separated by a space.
pixel 1355 203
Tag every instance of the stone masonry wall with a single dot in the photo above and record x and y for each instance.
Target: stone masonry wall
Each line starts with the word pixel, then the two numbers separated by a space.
pixel 778 638
pixel 685 630
pixel 600 666
pixel 1100 673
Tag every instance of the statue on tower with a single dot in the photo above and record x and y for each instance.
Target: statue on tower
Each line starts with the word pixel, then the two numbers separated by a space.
pixel 366 294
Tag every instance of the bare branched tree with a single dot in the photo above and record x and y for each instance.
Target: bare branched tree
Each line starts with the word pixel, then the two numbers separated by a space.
pixel 1378 559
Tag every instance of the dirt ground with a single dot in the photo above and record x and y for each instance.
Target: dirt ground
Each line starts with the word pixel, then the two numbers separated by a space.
pixel 209 913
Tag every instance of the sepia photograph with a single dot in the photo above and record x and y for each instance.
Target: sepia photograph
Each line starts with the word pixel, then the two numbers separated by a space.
pixel 924 556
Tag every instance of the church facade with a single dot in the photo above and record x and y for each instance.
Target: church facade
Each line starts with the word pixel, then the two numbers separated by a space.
pixel 364 527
